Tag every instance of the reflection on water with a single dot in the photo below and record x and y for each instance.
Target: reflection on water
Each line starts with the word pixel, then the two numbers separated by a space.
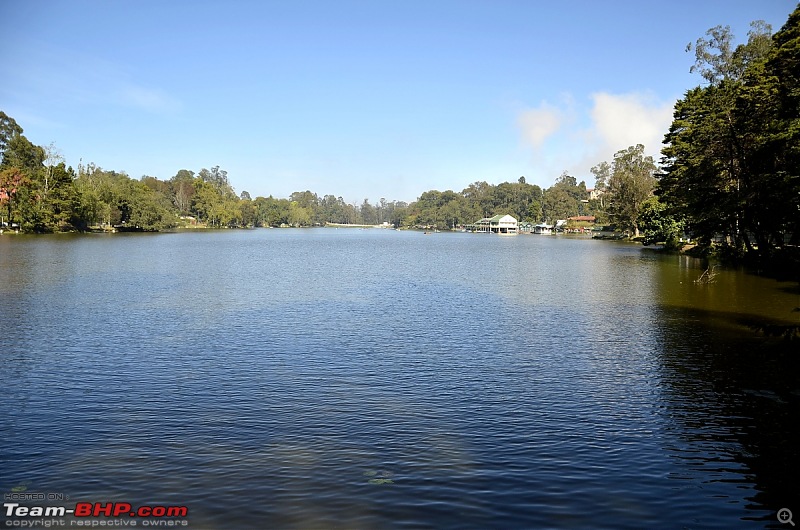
pixel 361 379
pixel 732 392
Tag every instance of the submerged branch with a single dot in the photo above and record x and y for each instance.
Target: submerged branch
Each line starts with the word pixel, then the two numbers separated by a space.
pixel 708 276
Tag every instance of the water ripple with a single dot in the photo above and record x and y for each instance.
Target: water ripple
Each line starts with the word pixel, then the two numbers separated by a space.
pixel 333 379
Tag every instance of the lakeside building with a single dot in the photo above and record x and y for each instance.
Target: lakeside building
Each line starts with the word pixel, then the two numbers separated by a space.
pixel 499 224
pixel 543 228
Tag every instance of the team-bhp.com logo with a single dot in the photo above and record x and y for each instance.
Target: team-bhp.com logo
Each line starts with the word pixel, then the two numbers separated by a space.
pixel 96 510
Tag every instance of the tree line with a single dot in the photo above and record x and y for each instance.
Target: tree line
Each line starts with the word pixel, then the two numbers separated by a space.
pixel 40 193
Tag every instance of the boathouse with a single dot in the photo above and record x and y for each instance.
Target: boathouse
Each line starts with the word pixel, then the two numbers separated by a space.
pixel 499 224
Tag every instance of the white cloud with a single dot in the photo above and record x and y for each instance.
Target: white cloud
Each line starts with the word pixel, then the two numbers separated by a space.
pixel 622 120
pixel 538 124
pixel 579 138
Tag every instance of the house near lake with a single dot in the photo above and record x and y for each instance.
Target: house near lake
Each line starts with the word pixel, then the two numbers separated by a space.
pixel 499 224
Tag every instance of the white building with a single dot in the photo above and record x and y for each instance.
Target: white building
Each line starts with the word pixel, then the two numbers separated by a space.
pixel 499 224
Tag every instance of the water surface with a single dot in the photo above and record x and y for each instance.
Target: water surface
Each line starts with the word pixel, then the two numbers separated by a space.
pixel 375 379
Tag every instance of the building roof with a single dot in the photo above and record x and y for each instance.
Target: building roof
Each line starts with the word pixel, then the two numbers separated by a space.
pixel 503 218
pixel 497 219
pixel 590 218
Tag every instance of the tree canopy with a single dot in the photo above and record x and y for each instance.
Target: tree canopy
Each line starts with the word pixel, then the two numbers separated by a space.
pixel 730 162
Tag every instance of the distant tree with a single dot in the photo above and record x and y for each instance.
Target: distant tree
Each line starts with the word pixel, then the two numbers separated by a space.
pixel 631 183
pixel 658 226
pixel 566 180
pixel 12 182
pixel 562 199
pixel 146 209
pixel 218 178
pixel 9 128
pixel 52 158
pixel 183 188
pixel 479 196
pixel 57 204
pixel 399 214
pixel 717 60
pixel 558 204
pixel 22 154
pixel 248 212
pixel 206 203
pixel 299 215
pixel 602 174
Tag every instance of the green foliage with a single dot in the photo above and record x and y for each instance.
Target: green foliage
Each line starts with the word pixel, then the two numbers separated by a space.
pixel 299 215
pixel 13 184
pixel 558 204
pixel 56 197
pixel 445 209
pixel 630 184
pixel 147 209
pixel 183 189
pixel 9 128
pixel 22 154
pixel 732 154
pixel 716 60
pixel 658 227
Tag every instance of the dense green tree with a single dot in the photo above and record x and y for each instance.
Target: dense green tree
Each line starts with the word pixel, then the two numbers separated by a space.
pixel 271 211
pixel 248 211
pixel 658 226
pixel 9 128
pixel 332 209
pixel 631 183
pixel 767 114
pixel 516 198
pixel 716 58
pixel 183 188
pixel 398 213
pixel 479 195
pixel 159 186
pixel 208 203
pixel 561 200
pixel 730 164
pixel 299 215
pixel 602 174
pixel 22 154
pixel 57 199
pixel 145 208
pixel 12 183
pixel 218 178
pixel 558 204
pixel 440 209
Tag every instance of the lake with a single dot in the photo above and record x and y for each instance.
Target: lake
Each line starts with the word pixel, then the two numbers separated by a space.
pixel 345 378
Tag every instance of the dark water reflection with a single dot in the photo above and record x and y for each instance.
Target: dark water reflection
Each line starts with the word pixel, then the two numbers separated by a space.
pixel 374 379
pixel 731 398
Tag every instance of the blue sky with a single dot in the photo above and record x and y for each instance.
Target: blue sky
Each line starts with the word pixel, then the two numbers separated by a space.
pixel 361 99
